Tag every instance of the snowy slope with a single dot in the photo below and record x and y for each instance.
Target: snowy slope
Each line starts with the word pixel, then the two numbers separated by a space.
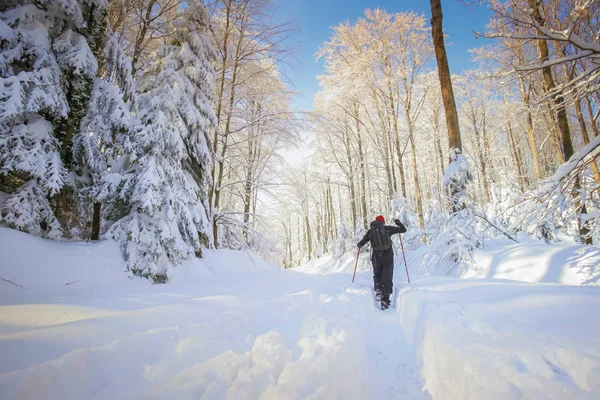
pixel 231 327
pixel 504 340
pixel 532 261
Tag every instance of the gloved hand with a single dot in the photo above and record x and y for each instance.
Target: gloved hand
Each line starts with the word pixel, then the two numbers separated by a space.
pixel 397 221
pixel 358 245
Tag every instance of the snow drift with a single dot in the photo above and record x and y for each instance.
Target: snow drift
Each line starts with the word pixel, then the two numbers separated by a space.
pixel 502 340
pixel 230 326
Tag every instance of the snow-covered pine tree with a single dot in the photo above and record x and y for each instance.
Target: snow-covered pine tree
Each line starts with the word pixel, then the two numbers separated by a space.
pixel 39 42
pixel 165 183
pixel 78 48
pixel 105 137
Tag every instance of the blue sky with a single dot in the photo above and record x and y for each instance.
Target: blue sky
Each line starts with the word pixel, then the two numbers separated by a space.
pixel 315 18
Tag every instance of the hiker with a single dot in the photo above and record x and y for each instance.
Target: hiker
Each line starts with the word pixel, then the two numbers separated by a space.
pixel 382 258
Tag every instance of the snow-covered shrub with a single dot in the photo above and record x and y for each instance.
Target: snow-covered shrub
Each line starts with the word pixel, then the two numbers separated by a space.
pixel 555 210
pixel 453 237
pixel 402 210
pixel 451 248
pixel 456 179
pixel 505 195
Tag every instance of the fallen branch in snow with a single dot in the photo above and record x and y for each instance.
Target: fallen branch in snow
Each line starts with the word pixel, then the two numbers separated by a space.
pixel 499 230
pixel 11 281
pixel 70 283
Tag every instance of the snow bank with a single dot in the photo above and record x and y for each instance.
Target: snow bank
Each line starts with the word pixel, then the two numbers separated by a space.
pixel 503 340
pixel 43 266
pixel 533 261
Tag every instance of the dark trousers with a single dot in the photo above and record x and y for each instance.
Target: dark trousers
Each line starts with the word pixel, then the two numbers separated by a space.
pixel 383 271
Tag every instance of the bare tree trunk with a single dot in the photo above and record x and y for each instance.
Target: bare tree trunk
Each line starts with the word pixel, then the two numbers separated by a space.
pixel 584 134
pixel 444 75
pixel 592 119
pixel 401 168
pixel 530 132
pixel 219 97
pixel 437 33
pixel 247 197
pixel 220 162
pixel 437 143
pixel 383 137
pixel 482 166
pixel 351 179
pixel 515 154
pixel 137 49
pixel 341 205
pixel 473 114
pixel 327 226
pixel 318 222
pixel 399 152
pixel 286 263
pixel 418 193
pixel 411 138
pixel 390 159
pixel 299 237
pixel 96 221
pixel 552 124
pixel 561 112
pixel 586 138
pixel 361 160
pixel 290 248
pixel 308 235
pixel 486 146
pixel 333 225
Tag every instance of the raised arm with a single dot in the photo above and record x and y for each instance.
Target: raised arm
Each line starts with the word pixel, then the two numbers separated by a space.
pixel 396 229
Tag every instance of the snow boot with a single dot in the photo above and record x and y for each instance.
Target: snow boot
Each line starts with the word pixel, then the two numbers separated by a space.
pixel 378 294
pixel 385 302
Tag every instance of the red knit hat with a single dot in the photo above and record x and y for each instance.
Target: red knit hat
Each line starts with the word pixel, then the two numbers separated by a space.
pixel 380 218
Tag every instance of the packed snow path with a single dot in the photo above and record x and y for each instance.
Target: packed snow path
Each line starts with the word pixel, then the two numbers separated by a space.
pixel 231 327
pixel 292 336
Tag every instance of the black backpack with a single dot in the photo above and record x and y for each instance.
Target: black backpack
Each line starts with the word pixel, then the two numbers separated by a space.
pixel 379 237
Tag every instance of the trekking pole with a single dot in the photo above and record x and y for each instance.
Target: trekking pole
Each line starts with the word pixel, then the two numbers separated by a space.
pixel 356 264
pixel 405 265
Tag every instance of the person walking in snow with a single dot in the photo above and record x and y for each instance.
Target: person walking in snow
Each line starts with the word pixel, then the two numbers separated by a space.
pixel 380 236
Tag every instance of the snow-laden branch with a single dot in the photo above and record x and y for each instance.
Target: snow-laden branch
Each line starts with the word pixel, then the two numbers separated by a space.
pixel 555 61
pixel 585 155
pixel 537 28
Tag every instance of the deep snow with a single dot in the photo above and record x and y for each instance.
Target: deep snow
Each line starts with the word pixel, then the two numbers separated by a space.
pixel 230 326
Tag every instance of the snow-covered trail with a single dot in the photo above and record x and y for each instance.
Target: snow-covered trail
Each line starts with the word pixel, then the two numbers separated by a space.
pixel 286 335
pixel 272 335
pixel 231 327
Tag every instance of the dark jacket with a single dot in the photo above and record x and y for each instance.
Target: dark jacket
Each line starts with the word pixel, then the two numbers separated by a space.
pixel 391 230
